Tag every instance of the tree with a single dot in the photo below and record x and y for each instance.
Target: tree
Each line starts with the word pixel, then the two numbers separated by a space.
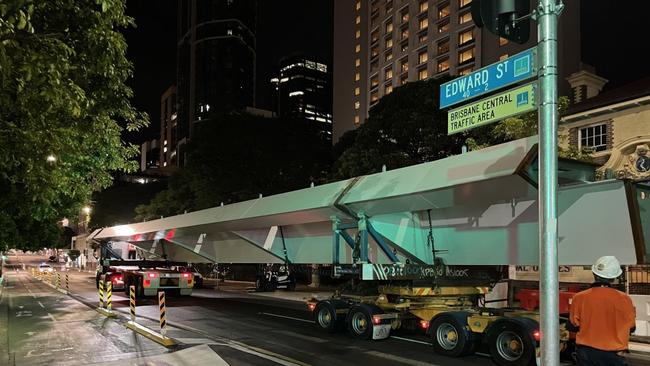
pixel 518 127
pixel 63 100
pixel 406 127
pixel 236 157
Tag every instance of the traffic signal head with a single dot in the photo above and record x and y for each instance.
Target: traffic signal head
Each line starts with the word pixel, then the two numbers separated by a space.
pixel 499 16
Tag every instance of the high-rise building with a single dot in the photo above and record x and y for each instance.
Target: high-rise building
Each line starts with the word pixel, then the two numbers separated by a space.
pixel 170 145
pixel 216 59
pixel 382 44
pixel 304 91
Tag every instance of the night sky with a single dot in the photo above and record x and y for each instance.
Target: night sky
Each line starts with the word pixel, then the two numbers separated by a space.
pixel 284 27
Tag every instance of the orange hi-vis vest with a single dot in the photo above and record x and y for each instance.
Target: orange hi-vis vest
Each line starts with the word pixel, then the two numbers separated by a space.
pixel 605 317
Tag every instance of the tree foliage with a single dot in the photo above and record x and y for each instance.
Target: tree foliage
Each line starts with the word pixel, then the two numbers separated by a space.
pixel 62 93
pixel 406 127
pixel 236 157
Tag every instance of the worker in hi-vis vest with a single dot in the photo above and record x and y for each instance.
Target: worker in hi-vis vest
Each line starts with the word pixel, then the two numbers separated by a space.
pixel 603 318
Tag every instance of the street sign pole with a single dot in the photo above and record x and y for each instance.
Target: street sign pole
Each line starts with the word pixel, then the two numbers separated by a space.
pixel 547 14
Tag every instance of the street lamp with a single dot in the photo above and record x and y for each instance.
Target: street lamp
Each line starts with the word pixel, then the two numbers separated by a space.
pixel 86 210
pixel 51 158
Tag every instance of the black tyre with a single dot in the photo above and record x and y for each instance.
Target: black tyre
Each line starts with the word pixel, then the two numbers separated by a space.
pixel 260 284
pixel 511 342
pixel 451 335
pixel 326 318
pixel 359 320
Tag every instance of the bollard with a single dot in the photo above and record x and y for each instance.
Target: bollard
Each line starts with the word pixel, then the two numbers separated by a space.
pixel 58 280
pixel 67 283
pixel 163 312
pixel 132 302
pixel 109 295
pixel 101 294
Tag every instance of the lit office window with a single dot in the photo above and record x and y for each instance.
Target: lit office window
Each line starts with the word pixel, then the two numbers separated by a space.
pixel 389 43
pixel 423 56
pixel 358 5
pixel 357 120
pixel 374 81
pixel 388 56
pixel 357 62
pixel 357 34
pixel 357 48
pixel 443 46
pixel 374 51
pixel 465 71
pixel 467 55
pixel 464 18
pixel 466 36
pixel 357 76
pixel 389 26
pixel 405 46
pixel 405 15
pixel 423 23
pixel 357 105
pixel 388 74
pixel 443 64
pixel 443 11
pixel 358 20
pixel 462 3
pixel 374 36
pixel 357 91
pixel 404 79
pixel 405 33
pixel 404 64
pixel 423 74
pixel 443 26
pixel 502 41
pixel 422 38
pixel 424 5
pixel 503 57
pixel 388 88
pixel 374 96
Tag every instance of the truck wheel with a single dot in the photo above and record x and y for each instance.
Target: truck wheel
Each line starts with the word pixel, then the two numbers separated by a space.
pixel 450 335
pixel 326 318
pixel 259 284
pixel 359 320
pixel 511 343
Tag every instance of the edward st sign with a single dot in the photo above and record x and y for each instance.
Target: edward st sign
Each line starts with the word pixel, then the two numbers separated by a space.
pixel 519 67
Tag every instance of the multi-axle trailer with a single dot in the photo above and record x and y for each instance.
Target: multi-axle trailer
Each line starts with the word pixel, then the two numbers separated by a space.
pixel 414 235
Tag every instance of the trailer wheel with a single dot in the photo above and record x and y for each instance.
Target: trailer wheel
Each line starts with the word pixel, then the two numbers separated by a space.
pixel 511 342
pixel 326 318
pixel 451 336
pixel 359 320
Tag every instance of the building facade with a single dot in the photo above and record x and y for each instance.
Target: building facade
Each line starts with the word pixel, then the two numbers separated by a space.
pixel 303 90
pixel 383 44
pixel 170 145
pixel 215 59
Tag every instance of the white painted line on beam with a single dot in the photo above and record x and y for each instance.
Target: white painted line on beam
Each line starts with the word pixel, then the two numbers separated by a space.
pixel 412 340
pixel 51 317
pixel 288 317
pixel 41 304
pixel 404 360
pixel 197 248
pixel 268 243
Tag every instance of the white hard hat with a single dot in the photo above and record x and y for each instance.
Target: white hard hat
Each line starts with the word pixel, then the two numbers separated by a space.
pixel 607 267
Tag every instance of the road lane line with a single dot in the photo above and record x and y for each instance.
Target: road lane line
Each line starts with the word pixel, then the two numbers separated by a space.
pixel 288 317
pixel 41 304
pixel 412 340
pixel 300 336
pixel 404 360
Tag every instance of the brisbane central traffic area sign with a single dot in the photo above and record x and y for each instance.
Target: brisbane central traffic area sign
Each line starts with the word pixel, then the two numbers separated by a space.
pixel 494 108
pixel 515 69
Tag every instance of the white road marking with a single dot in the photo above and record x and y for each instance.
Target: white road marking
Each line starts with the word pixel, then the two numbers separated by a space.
pixel 300 336
pixel 412 340
pixel 51 317
pixel 41 304
pixel 288 317
pixel 404 360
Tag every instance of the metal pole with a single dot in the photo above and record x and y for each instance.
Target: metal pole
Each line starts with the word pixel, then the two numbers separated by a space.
pixel 548 11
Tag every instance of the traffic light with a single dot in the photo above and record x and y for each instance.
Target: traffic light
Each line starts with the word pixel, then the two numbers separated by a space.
pixel 501 18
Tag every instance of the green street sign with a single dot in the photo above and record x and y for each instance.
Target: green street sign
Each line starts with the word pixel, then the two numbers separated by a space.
pixel 491 109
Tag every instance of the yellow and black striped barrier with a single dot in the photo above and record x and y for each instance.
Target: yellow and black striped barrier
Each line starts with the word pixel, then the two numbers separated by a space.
pixel 109 295
pixel 58 280
pixel 132 302
pixel 101 294
pixel 163 312
pixel 67 282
